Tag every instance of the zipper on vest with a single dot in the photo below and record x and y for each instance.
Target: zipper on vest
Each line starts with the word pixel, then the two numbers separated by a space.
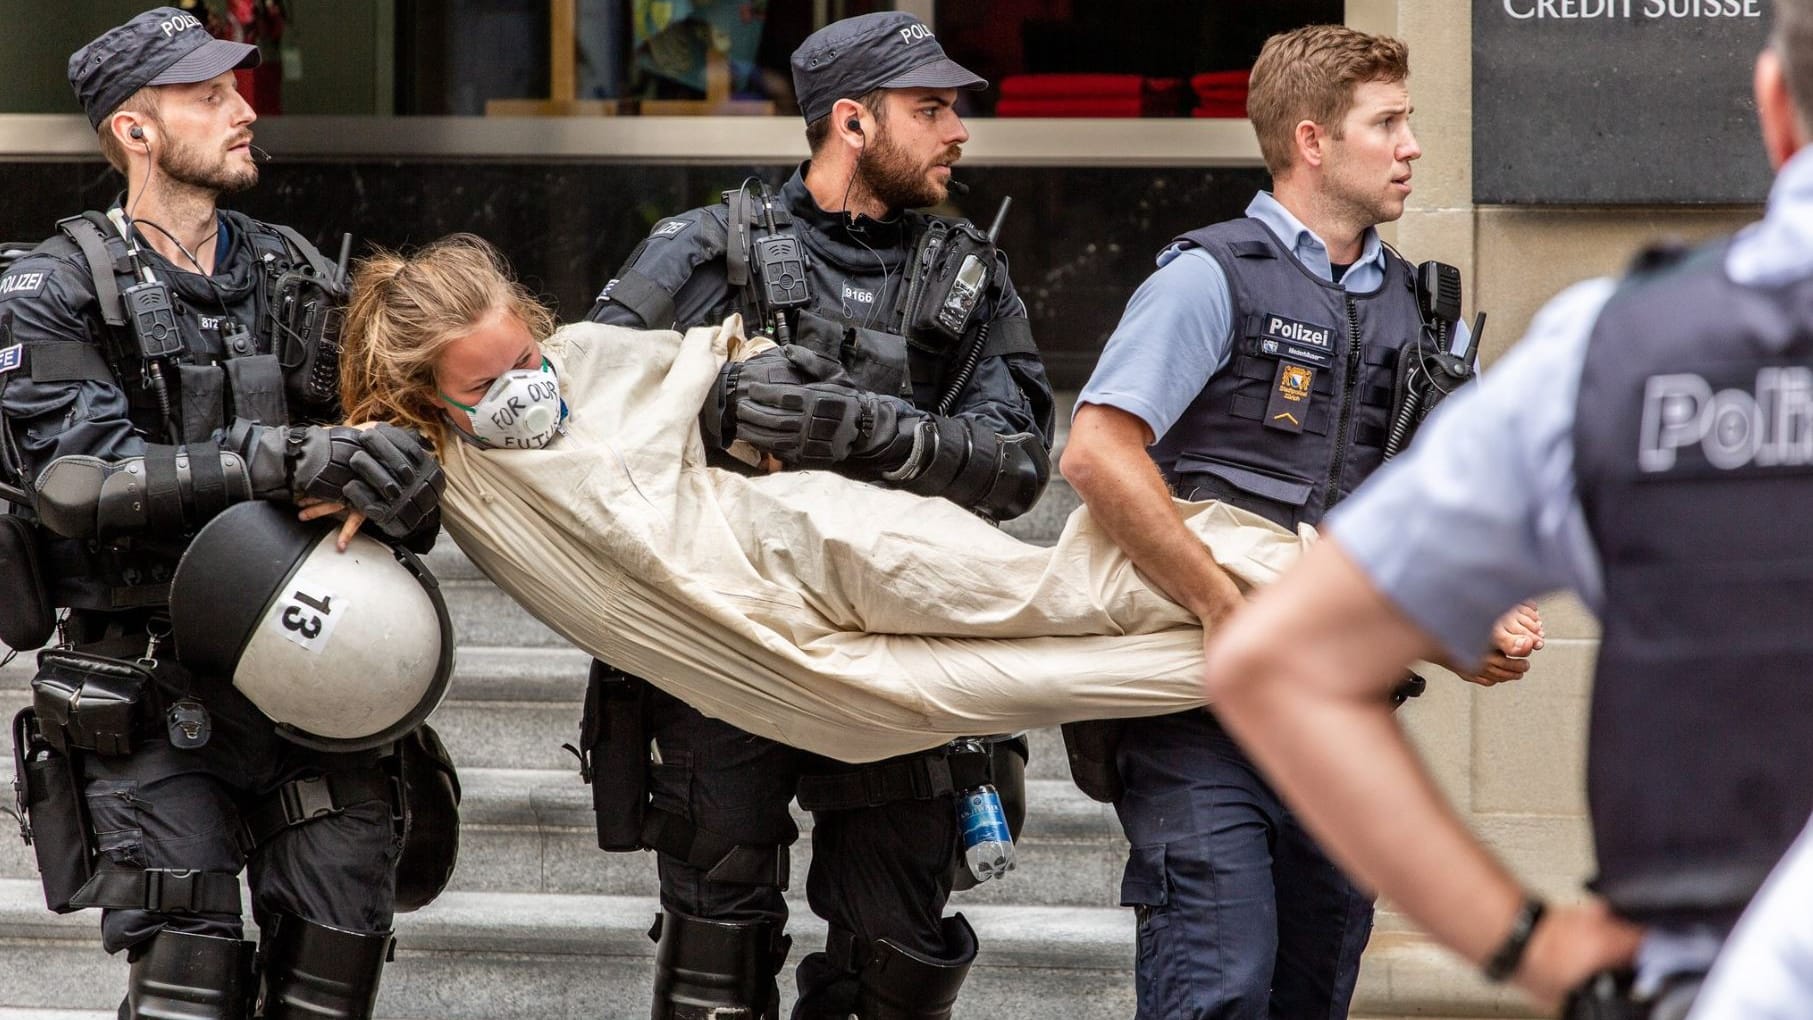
pixel 1333 493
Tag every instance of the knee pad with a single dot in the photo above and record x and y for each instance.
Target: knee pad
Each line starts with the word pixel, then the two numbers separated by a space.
pixel 312 971
pixel 200 977
pixel 899 984
pixel 722 970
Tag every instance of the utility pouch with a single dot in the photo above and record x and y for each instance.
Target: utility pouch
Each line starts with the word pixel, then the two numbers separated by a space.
pixel 204 401
pixel 27 617
pixel 53 816
pixel 1090 746
pixel 613 755
pixel 429 791
pixel 88 702
pixel 952 269
pixel 256 382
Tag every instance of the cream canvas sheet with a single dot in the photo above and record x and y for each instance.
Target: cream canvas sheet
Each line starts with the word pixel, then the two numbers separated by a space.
pixel 834 616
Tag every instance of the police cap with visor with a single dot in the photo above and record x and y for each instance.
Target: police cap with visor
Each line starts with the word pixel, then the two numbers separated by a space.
pixel 853 57
pixel 163 46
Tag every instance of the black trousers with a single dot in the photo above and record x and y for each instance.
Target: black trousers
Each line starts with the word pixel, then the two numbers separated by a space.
pixel 880 872
pixel 161 807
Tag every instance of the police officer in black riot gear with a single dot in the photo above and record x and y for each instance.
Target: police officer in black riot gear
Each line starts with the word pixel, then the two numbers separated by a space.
pixel 162 361
pixel 905 360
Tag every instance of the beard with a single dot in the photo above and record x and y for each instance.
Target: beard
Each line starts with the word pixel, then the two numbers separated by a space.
pixel 188 165
pixel 899 181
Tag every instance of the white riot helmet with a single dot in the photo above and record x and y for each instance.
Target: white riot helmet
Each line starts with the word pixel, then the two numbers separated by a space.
pixel 342 650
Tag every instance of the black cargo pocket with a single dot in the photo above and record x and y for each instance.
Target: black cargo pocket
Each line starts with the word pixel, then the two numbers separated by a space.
pixel 1144 887
pixel 113 811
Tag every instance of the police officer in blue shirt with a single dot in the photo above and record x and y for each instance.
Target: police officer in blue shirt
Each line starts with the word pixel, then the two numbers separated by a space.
pixel 1646 446
pixel 1257 366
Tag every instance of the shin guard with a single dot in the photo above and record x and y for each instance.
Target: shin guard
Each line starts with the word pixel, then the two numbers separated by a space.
pixel 720 970
pixel 182 976
pixel 311 971
pixel 898 984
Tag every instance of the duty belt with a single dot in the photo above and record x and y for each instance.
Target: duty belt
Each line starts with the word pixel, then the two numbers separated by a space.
pixel 927 776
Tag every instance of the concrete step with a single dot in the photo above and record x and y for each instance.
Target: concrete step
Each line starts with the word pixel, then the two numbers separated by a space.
pixel 502 956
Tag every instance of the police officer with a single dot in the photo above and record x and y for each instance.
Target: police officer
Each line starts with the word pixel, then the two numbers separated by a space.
pixel 906 361
pixel 1645 447
pixel 159 362
pixel 1256 365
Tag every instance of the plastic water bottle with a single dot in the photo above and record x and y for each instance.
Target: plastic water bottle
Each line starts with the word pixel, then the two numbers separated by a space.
pixel 988 845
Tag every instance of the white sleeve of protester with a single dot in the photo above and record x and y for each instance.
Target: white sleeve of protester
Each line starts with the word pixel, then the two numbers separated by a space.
pixel 835 616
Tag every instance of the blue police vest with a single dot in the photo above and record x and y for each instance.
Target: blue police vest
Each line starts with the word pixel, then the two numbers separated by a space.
pixel 1694 461
pixel 1297 419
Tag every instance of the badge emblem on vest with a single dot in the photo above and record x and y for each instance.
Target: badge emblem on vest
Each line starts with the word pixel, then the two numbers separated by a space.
pixel 1304 342
pixel 1289 403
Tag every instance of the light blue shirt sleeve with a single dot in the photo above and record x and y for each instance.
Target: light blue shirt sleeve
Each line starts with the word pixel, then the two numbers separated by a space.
pixel 1176 333
pixel 1492 472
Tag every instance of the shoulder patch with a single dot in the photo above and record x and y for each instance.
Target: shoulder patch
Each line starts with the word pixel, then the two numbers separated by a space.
pixel 11 358
pixel 22 283
pixel 672 228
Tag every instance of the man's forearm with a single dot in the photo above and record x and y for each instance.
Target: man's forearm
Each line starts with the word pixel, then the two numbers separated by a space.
pixel 1128 500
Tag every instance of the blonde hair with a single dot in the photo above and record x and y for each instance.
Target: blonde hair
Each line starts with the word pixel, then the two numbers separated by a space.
pixel 404 312
pixel 144 101
pixel 1310 74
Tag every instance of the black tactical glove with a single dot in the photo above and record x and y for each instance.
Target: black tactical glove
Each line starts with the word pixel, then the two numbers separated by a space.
pixel 791 364
pixel 385 473
pixel 816 425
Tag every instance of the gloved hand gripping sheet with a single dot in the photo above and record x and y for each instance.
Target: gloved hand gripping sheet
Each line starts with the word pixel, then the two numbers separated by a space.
pixel 835 616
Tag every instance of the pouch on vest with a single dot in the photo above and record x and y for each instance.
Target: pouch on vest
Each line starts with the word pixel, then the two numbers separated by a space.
pixel 613 755
pixel 256 382
pixel 431 818
pixel 53 816
pixel 203 402
pixel 874 360
pixel 27 618
pixel 88 702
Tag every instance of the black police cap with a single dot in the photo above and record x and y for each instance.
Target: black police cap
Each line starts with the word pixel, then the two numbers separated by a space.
pixel 888 50
pixel 162 46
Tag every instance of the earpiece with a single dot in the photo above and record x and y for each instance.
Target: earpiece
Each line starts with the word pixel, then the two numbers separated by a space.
pixel 854 124
pixel 137 132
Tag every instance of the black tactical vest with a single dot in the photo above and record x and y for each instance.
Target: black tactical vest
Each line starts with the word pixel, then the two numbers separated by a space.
pixel 1694 461
pixel 1297 419
pixel 236 362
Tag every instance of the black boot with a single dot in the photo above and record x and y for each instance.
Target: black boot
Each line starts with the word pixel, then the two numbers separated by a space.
pixel 182 976
pixel 716 970
pixel 311 971
pixel 898 984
